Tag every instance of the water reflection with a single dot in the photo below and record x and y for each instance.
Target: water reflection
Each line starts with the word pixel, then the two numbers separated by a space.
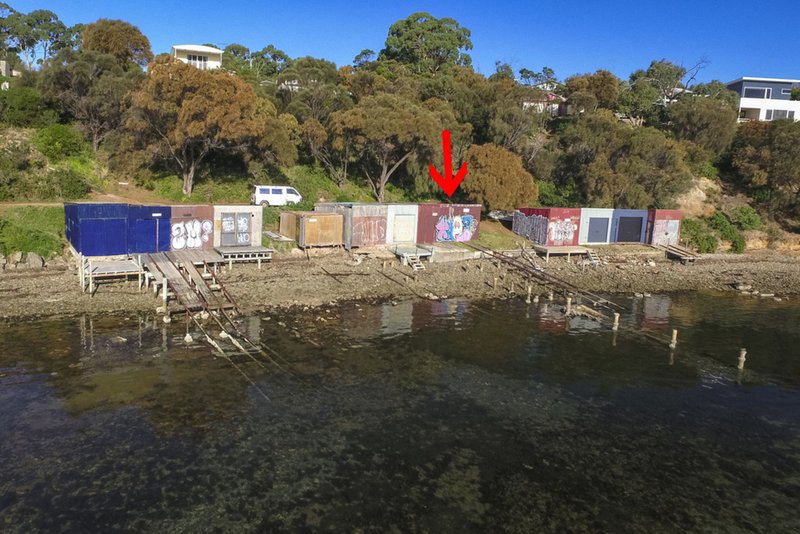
pixel 406 416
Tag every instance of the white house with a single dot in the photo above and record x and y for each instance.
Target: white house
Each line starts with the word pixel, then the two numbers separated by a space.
pixel 202 57
pixel 766 99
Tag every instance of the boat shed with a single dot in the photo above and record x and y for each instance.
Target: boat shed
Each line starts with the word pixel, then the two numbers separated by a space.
pixel 595 226
pixel 238 225
pixel 448 222
pixel 313 228
pixel 364 222
pixel 97 229
pixel 664 227
pixel 192 228
pixel 629 226
pixel 148 229
pixel 549 227
pixel 401 223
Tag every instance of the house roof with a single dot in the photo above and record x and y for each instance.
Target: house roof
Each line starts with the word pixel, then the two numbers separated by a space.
pixel 757 79
pixel 197 48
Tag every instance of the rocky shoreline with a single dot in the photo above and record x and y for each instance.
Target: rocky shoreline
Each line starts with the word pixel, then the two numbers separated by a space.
pixel 328 278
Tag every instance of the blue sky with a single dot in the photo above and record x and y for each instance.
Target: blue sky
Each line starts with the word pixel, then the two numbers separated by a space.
pixel 738 38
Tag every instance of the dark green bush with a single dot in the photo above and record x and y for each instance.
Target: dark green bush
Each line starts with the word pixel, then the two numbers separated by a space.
pixel 66 184
pixel 727 231
pixel 698 235
pixel 25 107
pixel 59 141
pixel 746 218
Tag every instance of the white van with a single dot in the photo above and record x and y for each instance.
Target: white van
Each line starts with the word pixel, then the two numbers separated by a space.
pixel 275 195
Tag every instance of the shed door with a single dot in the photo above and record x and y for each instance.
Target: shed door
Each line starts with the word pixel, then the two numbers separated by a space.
pixel 630 230
pixel 235 230
pixel 404 231
pixel 598 230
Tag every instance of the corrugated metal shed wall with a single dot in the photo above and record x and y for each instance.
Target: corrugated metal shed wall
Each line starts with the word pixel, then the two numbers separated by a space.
pixel 448 222
pixel 288 224
pixel 595 226
pixel 148 229
pixel 238 225
pixel 401 223
pixel 192 227
pixel 629 226
pixel 97 229
pixel 369 225
pixel 553 227
pixel 664 227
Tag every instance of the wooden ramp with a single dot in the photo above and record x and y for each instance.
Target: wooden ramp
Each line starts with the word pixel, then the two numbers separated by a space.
pixel 166 274
pixel 683 254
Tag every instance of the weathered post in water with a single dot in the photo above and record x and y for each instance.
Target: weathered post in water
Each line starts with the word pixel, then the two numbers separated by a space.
pixel 674 342
pixel 569 306
pixel 742 358
pixel 494 287
pixel 550 295
pixel 528 299
pixel 615 326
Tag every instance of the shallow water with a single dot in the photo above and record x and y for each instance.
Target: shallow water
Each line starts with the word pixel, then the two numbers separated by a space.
pixel 420 416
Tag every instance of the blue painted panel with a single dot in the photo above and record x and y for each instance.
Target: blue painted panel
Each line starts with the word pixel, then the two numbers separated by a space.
pixel 102 237
pixel 101 211
pixel 148 229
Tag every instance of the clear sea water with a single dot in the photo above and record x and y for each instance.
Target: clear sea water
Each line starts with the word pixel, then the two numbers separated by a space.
pixel 453 416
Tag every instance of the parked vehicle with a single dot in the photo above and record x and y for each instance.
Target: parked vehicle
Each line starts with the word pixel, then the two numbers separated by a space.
pixel 275 195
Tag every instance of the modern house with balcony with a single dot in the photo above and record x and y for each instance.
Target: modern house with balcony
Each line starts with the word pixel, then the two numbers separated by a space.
pixel 199 56
pixel 766 99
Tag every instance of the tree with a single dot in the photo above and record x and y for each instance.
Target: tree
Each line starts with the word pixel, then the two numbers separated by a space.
pixel 310 88
pixel 93 88
pixel 427 43
pixel 668 77
pixel 497 179
pixel 765 159
pixel 118 38
pixel 602 88
pixel 615 165
pixel 717 90
pixel 545 80
pixel 335 158
pixel 385 131
pixel 29 33
pixel 709 123
pixel 638 100
pixel 364 58
pixel 185 114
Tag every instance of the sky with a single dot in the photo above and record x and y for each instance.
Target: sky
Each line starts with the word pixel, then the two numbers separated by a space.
pixel 736 37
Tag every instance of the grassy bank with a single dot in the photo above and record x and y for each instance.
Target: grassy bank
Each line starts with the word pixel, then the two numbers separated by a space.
pixel 38 229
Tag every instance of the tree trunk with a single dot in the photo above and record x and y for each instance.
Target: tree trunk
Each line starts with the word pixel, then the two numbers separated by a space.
pixel 188 179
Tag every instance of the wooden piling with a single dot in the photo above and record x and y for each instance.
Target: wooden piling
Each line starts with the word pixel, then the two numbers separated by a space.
pixel 674 342
pixel 615 326
pixel 494 287
pixel 549 295
pixel 742 358
pixel 569 306
pixel 528 299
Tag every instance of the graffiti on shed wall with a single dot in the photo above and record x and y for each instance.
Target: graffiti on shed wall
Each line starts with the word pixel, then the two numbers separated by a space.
pixel 369 231
pixel 456 228
pixel 562 232
pixel 191 234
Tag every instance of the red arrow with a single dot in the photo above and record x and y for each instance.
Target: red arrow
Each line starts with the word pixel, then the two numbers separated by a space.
pixel 448 182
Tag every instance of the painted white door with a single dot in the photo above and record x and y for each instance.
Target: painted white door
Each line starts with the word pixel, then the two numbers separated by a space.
pixel 405 231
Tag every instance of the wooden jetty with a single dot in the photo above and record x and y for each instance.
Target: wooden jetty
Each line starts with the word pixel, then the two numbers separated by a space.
pixel 568 250
pixel 93 270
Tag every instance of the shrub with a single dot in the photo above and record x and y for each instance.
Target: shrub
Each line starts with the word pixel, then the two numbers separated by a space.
pixel 698 235
pixel 59 141
pixel 727 231
pixel 25 107
pixel 746 218
pixel 32 229
pixel 66 184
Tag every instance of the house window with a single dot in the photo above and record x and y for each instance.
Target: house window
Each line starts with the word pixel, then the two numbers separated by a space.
pixel 786 91
pixel 768 115
pixel 778 114
pixel 758 92
pixel 201 62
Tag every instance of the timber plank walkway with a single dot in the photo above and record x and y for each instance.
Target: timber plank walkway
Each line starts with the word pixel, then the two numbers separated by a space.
pixel 170 278
pixel 197 281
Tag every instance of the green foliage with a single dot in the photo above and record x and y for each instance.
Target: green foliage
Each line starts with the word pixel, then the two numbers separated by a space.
pixel 552 195
pixel 727 231
pixel 746 218
pixel 64 184
pixel 497 179
pixel 59 141
pixel 32 229
pixel 427 44
pixel 696 234
pixel 709 123
pixel 25 107
pixel 795 93
pixel 234 190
